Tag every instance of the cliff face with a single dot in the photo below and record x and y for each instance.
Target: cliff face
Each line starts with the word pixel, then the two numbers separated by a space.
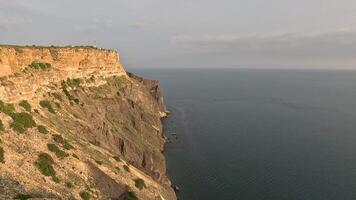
pixel 100 126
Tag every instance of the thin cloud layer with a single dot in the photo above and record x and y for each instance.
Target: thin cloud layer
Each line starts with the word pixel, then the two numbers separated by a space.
pixel 198 33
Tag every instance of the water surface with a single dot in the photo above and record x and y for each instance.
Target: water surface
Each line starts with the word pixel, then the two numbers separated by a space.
pixel 260 134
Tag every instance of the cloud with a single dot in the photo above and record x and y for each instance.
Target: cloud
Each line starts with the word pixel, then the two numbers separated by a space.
pixel 329 46
pixel 7 23
pixel 335 49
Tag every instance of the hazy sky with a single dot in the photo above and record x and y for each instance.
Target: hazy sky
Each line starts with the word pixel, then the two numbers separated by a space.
pixel 193 33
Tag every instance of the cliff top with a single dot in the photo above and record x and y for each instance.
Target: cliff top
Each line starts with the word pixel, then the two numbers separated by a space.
pixel 15 58
pixel 90 47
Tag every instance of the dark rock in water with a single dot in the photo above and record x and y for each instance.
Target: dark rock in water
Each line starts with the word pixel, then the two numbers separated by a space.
pixel 176 188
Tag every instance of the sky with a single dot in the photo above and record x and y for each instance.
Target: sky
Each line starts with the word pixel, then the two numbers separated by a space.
pixel 193 33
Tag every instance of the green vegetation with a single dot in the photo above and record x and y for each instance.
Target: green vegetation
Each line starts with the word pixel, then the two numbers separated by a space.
pixel 72 83
pixel 6 108
pixel 44 163
pixel 130 196
pixel 99 162
pixel 126 168
pixel 23 196
pixel 25 105
pixel 46 104
pixel 59 153
pixel 40 65
pixel 2 128
pixel 85 195
pixel 65 144
pixel 117 158
pixel 68 184
pixel 75 156
pixel 22 121
pixel 2 157
pixel 42 129
pixel 139 183
pixel 55 179
pixel 18 50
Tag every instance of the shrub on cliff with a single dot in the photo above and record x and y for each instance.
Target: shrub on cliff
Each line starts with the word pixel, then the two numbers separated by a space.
pixel 2 157
pixel 22 121
pixel 6 108
pixel 40 65
pixel 130 196
pixel 42 129
pixel 25 105
pixel 23 196
pixel 139 183
pixel 46 104
pixel 44 163
pixel 1 126
pixel 85 195
pixel 65 144
pixel 59 153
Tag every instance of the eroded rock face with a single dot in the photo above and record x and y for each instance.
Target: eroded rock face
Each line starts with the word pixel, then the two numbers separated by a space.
pixel 111 119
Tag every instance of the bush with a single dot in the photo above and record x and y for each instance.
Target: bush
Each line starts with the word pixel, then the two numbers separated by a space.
pixel 23 196
pixel 25 105
pixel 139 183
pixel 1 126
pixel 126 168
pixel 72 83
pixel 69 184
pixel 2 157
pixel 42 129
pixel 6 108
pixel 130 196
pixel 59 153
pixel 75 156
pixel 65 144
pixel 40 65
pixel 99 162
pixel 117 158
pixel 85 195
pixel 22 121
pixel 44 163
pixel 46 104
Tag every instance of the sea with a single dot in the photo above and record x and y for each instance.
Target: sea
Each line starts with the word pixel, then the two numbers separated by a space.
pixel 258 134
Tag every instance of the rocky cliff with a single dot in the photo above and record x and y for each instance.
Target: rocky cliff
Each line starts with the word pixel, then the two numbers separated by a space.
pixel 75 125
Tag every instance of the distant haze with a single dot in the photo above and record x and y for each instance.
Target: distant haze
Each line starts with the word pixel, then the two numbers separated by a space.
pixel 193 33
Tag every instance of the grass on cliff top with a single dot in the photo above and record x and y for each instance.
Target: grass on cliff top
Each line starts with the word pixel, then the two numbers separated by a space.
pixel 44 164
pixel 46 104
pixel 40 65
pixel 22 121
pixel 140 183
pixel 2 157
pixel 59 153
pixel 17 47
pixel 26 105
pixel 85 195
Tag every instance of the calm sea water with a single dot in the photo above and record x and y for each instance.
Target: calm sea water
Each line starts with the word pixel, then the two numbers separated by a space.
pixel 261 134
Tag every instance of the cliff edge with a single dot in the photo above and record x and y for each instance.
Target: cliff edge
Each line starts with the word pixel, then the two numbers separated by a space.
pixel 75 125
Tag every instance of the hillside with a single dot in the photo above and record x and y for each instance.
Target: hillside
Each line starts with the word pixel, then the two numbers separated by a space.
pixel 75 125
